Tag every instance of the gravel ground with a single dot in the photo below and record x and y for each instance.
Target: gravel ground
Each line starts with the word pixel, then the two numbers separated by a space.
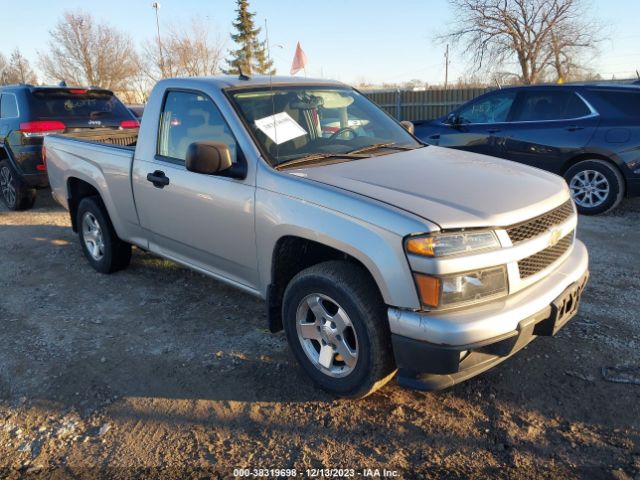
pixel 159 372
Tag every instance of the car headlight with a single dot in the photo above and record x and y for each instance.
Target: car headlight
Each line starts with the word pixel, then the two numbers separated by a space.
pixel 444 244
pixel 450 291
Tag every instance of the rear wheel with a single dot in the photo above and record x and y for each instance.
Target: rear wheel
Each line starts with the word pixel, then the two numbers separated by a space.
pixel 104 250
pixel 15 194
pixel 336 325
pixel 596 186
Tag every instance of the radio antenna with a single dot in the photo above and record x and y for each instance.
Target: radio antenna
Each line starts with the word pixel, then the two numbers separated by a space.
pixel 273 100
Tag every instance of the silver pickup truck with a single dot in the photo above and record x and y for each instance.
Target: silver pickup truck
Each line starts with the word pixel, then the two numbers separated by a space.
pixel 376 253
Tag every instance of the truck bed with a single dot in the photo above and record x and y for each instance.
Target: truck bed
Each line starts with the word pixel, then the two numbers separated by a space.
pixel 104 159
pixel 126 138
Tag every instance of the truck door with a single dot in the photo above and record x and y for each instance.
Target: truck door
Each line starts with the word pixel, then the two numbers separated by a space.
pixel 205 221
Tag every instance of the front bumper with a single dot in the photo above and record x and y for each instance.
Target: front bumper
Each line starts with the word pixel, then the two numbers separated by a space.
pixel 435 351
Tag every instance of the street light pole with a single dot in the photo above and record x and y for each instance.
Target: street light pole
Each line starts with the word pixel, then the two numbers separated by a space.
pixel 156 7
pixel 446 67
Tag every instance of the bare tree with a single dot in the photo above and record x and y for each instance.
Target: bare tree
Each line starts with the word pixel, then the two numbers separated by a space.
pixel 84 52
pixel 541 36
pixel 3 69
pixel 195 52
pixel 16 70
pixel 186 51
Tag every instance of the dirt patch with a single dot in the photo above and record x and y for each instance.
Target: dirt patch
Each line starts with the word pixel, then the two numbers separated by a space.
pixel 160 372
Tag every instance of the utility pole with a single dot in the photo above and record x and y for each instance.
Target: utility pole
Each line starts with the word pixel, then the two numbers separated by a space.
pixel 156 7
pixel 446 67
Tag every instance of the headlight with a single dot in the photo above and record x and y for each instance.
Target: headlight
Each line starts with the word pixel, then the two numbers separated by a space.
pixel 461 289
pixel 443 244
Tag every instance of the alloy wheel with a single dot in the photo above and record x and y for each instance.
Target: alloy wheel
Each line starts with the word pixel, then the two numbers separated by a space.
pixel 327 335
pixel 589 188
pixel 7 186
pixel 92 236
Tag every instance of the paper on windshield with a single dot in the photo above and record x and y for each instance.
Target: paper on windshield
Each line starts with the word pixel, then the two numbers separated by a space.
pixel 280 127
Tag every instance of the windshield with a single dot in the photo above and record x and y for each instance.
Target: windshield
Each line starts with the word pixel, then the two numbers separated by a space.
pixel 313 123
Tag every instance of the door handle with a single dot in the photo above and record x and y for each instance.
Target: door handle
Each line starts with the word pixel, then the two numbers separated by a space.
pixel 574 128
pixel 158 178
pixel 435 136
pixel 494 130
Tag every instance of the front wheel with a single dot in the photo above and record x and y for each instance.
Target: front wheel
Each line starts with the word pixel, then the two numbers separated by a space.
pixel 336 325
pixel 596 186
pixel 104 250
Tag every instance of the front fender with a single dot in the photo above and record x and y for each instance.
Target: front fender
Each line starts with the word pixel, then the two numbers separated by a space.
pixel 379 250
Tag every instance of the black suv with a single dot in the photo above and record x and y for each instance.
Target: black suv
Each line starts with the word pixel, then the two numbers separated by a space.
pixel 590 134
pixel 28 113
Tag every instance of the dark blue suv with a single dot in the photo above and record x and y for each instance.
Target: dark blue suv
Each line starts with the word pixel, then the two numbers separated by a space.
pixel 590 134
pixel 28 113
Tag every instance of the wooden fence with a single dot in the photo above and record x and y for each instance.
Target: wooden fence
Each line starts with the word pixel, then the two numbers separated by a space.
pixel 422 105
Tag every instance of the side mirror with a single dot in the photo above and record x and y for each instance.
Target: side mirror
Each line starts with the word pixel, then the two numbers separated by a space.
pixel 209 158
pixel 453 120
pixel 408 126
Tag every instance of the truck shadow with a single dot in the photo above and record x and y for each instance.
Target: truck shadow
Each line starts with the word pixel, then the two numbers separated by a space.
pixel 157 329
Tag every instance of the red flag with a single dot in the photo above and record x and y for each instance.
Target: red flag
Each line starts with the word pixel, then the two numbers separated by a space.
pixel 299 60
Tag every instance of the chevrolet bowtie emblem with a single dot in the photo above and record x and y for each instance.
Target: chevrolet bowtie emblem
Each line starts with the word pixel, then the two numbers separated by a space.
pixel 554 238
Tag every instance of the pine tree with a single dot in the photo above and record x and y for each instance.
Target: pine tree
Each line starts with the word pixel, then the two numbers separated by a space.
pixel 251 55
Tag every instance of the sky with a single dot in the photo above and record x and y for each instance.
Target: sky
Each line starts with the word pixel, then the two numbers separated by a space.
pixel 353 41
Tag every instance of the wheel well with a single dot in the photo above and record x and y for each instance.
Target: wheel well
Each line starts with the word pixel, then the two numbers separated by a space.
pixel 596 156
pixel 3 154
pixel 77 190
pixel 587 156
pixel 291 255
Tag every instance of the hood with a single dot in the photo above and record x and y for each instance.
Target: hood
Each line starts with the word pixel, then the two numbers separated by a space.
pixel 451 188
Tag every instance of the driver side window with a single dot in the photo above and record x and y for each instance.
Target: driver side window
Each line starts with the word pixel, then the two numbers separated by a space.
pixel 189 117
pixel 492 109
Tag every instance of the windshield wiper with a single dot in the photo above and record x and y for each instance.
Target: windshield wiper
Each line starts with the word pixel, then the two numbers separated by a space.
pixel 376 146
pixel 315 157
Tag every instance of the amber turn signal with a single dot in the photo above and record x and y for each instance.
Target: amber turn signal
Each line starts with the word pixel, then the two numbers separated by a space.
pixel 421 246
pixel 428 289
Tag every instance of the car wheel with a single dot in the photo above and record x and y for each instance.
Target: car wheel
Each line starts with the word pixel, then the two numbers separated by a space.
pixel 15 195
pixel 104 250
pixel 336 326
pixel 596 186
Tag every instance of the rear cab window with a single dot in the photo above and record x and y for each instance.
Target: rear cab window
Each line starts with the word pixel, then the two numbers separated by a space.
pixel 544 105
pixel 189 117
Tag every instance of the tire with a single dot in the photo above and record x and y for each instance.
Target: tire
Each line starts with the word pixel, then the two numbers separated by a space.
pixel 347 299
pixel 105 252
pixel 15 194
pixel 596 186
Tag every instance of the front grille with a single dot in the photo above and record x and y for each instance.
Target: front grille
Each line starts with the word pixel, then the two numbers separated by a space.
pixel 538 225
pixel 541 260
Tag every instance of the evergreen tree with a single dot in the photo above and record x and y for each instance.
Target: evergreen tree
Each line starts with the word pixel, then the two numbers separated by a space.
pixel 251 55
